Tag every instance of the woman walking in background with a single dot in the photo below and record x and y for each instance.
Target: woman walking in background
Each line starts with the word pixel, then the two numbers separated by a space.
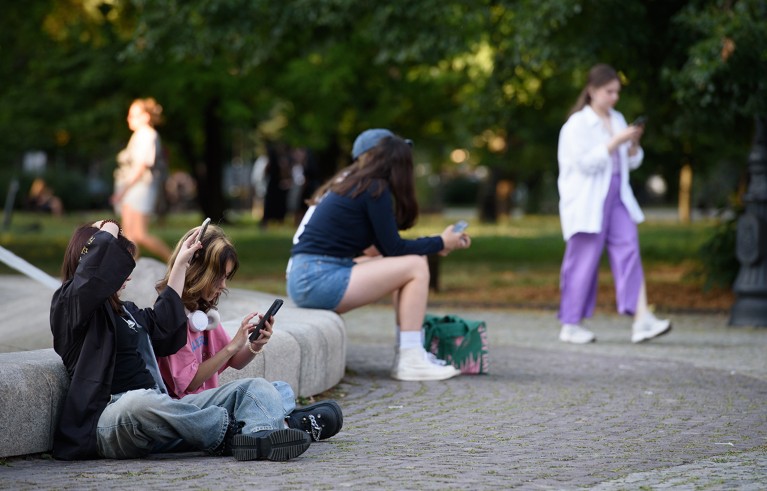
pixel 598 210
pixel 136 184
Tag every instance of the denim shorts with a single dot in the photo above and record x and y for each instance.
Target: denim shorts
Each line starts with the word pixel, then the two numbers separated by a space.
pixel 318 282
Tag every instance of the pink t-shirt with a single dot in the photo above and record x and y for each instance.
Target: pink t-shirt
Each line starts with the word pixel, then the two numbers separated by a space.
pixel 179 369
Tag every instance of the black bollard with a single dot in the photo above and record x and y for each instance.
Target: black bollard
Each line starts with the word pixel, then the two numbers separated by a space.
pixel 750 288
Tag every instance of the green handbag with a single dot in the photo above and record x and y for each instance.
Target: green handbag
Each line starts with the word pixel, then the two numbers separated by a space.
pixel 461 342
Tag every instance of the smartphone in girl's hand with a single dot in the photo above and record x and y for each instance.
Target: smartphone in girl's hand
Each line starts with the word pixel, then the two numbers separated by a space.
pixel 268 315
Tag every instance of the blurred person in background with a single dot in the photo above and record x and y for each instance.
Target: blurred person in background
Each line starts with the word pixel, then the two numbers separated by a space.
pixel 598 211
pixel 137 177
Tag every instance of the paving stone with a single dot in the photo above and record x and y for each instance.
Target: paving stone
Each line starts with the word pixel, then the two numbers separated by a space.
pixel 686 411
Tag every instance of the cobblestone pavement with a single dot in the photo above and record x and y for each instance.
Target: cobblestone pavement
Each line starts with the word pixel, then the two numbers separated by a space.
pixel 686 411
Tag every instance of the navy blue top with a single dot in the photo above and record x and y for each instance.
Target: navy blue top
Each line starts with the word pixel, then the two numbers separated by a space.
pixel 341 226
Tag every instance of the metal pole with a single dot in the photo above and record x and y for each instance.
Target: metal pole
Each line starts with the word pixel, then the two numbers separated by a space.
pixel 750 307
pixel 10 198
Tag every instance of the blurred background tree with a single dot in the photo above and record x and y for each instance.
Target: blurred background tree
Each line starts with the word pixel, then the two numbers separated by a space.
pixel 481 86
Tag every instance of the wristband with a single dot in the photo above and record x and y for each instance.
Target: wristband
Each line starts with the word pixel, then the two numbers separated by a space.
pixel 254 351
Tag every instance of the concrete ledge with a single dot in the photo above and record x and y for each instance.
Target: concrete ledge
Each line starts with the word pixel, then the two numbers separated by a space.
pixel 308 350
pixel 32 388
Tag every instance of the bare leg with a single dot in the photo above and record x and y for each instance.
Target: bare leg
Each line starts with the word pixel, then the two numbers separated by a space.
pixel 407 276
pixel 407 279
pixel 135 227
pixel 646 326
pixel 641 308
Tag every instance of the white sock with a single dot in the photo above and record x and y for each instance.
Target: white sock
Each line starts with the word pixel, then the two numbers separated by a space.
pixel 410 339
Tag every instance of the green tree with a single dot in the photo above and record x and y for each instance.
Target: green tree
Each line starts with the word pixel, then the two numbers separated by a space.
pixel 493 76
pixel 330 68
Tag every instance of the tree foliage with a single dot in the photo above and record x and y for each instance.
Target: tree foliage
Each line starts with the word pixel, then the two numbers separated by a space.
pixel 495 77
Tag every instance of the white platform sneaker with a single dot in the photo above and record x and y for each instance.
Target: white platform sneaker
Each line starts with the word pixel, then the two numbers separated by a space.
pixel 648 327
pixel 573 333
pixel 416 364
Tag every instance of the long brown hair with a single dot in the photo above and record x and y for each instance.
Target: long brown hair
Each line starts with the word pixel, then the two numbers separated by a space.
pixel 80 238
pixel 599 76
pixel 206 269
pixel 390 161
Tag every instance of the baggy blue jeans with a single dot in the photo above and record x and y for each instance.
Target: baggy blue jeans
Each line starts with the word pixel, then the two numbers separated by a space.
pixel 139 422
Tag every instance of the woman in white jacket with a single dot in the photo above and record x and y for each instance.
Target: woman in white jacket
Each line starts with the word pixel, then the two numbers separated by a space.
pixel 598 210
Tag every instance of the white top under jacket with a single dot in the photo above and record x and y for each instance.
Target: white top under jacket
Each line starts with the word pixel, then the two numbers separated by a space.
pixel 585 170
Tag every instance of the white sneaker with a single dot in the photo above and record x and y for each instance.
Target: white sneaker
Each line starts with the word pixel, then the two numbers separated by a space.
pixel 648 327
pixel 418 364
pixel 573 333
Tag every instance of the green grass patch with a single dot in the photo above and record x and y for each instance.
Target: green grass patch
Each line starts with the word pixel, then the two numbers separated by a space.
pixel 524 251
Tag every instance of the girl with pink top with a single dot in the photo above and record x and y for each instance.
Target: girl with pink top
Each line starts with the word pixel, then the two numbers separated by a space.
pixel 209 351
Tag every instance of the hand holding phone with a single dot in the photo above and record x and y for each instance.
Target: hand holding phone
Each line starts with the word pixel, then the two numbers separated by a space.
pixel 640 121
pixel 268 315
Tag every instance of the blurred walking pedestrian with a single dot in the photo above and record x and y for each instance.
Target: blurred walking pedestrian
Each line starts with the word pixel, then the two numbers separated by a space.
pixel 598 210
pixel 137 177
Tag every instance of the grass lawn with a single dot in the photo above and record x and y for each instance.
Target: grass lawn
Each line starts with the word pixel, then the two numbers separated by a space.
pixel 512 264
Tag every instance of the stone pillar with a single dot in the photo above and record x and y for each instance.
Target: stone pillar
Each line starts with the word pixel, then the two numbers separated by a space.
pixel 750 288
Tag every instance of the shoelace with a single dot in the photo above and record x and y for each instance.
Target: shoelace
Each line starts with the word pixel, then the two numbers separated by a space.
pixel 316 428
pixel 434 360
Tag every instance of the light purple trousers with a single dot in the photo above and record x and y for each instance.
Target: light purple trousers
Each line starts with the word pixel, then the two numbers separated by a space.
pixel 580 266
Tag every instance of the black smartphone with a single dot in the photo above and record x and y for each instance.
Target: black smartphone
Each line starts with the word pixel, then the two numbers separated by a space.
pixel 460 226
pixel 268 315
pixel 640 121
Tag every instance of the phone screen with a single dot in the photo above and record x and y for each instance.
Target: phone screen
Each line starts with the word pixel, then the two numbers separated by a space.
pixel 268 315
pixel 460 226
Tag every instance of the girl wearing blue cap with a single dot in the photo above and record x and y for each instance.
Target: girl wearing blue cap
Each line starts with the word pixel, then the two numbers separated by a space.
pixel 347 251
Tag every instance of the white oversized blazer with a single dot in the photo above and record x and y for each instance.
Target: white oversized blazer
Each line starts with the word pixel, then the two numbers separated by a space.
pixel 585 171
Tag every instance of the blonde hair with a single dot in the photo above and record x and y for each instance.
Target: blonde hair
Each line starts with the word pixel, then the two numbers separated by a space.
pixel 205 270
pixel 152 108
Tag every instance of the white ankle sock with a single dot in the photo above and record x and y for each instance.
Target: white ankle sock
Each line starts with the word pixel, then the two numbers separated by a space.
pixel 410 339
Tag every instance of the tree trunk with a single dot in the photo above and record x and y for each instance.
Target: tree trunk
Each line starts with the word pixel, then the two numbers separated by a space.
pixel 210 191
pixel 685 193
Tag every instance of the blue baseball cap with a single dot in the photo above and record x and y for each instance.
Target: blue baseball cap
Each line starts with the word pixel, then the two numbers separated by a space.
pixel 369 139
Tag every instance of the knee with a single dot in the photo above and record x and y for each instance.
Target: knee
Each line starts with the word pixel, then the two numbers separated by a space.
pixel 419 267
pixel 260 388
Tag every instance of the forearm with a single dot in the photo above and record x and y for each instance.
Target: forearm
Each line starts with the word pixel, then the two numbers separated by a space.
pixel 208 368
pixel 138 172
pixel 241 359
pixel 177 277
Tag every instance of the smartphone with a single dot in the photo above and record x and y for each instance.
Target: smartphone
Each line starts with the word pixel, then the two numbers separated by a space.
pixel 203 228
pixel 268 315
pixel 460 226
pixel 640 121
